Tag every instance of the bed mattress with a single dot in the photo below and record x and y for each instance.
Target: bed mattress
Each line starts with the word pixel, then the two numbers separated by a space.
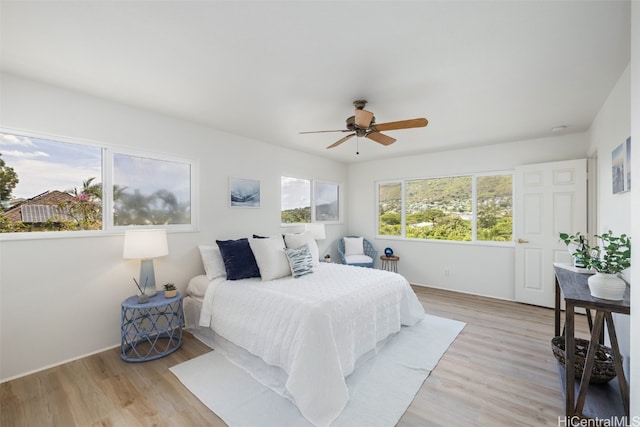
pixel 310 332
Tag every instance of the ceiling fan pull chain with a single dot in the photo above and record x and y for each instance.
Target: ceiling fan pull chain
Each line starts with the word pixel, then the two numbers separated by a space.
pixel 357 145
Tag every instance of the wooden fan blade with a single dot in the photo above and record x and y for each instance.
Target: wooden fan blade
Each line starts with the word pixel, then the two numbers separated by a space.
pixel 325 131
pixel 402 124
pixel 363 118
pixel 340 141
pixel 380 138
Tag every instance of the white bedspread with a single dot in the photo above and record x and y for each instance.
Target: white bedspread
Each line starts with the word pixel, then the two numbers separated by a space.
pixel 314 327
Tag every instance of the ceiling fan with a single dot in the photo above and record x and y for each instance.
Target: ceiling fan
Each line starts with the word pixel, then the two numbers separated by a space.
pixel 363 124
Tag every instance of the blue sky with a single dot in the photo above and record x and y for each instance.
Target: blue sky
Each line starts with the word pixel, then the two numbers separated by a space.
pixel 44 165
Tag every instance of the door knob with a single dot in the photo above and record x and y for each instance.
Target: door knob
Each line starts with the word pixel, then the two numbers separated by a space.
pixel 522 241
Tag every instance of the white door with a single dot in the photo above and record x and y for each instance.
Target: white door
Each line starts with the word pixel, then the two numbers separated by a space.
pixel 550 198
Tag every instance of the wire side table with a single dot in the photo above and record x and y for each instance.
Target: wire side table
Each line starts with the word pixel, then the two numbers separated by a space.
pixel 150 330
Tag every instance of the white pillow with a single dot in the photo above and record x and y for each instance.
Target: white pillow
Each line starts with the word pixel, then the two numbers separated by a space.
pixel 296 240
pixel 270 257
pixel 212 261
pixel 353 246
pixel 198 285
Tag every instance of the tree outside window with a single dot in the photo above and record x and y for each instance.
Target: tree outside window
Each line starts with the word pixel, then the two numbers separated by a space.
pixel 442 208
pixel 299 204
pixel 150 192
pixel 390 209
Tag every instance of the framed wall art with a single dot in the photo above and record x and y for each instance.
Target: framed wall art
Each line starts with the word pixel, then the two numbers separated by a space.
pixel 627 182
pixel 621 167
pixel 244 193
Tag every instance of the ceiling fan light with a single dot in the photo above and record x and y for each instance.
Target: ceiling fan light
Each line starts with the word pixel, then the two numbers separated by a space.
pixel 363 118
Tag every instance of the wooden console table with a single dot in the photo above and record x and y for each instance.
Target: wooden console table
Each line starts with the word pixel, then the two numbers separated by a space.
pixel 573 287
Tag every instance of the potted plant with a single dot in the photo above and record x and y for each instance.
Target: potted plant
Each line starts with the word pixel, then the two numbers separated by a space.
pixel 170 290
pixel 608 258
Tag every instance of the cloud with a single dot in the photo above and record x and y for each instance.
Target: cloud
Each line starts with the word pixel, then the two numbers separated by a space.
pixel 15 140
pixel 58 176
pixel 296 193
pixel 25 154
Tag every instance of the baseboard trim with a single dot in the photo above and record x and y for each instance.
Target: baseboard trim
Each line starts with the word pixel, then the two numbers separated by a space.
pixel 53 365
pixel 464 292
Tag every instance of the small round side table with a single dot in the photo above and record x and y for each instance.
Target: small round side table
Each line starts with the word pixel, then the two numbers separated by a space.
pixel 390 263
pixel 152 329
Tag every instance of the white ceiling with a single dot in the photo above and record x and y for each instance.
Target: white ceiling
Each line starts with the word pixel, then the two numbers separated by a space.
pixel 481 72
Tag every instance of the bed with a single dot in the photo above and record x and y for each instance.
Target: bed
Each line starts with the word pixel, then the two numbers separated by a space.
pixel 302 336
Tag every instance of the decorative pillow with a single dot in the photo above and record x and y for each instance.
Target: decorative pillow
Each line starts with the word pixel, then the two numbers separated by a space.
pixel 300 260
pixel 353 246
pixel 270 257
pixel 297 240
pixel 212 261
pixel 198 285
pixel 239 262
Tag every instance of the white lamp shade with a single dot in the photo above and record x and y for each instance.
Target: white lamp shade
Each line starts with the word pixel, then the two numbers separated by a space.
pixel 317 230
pixel 145 244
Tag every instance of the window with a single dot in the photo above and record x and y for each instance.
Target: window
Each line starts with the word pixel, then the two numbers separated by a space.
pixel 390 209
pixel 458 208
pixel 295 200
pixel 298 195
pixel 150 191
pixel 495 208
pixel 326 197
pixel 53 185
pixel 438 208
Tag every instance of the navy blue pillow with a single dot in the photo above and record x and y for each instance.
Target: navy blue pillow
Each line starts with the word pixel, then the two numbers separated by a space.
pixel 238 259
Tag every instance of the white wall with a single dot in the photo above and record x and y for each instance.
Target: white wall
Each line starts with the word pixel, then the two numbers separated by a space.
pixel 425 263
pixel 610 128
pixel 635 207
pixel 60 298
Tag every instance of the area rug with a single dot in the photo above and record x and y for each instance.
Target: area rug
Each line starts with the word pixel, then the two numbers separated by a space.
pixel 380 390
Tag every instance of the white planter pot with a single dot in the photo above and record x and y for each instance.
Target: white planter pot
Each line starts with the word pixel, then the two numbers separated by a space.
pixel 607 286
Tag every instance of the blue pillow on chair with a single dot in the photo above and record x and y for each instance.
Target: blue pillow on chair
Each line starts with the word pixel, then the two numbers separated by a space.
pixel 238 258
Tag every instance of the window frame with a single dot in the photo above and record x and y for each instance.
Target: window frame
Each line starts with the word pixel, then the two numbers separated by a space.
pixel 474 196
pixel 314 205
pixel 312 185
pixel 106 177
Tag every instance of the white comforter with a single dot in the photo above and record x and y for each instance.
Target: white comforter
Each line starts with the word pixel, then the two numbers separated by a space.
pixel 314 327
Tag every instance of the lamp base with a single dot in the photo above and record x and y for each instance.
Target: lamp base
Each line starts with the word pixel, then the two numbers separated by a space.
pixel 147 277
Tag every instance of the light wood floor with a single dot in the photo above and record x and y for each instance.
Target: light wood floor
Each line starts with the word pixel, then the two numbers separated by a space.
pixel 500 371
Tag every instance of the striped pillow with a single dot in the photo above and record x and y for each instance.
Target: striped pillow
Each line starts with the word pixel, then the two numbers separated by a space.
pixel 300 260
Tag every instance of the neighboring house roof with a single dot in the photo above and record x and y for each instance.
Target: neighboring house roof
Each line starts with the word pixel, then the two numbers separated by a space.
pixel 40 208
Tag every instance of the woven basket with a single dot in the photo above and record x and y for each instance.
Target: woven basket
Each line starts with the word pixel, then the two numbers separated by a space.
pixel 603 368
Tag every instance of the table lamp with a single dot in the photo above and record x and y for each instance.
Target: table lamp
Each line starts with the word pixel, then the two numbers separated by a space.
pixel 145 245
